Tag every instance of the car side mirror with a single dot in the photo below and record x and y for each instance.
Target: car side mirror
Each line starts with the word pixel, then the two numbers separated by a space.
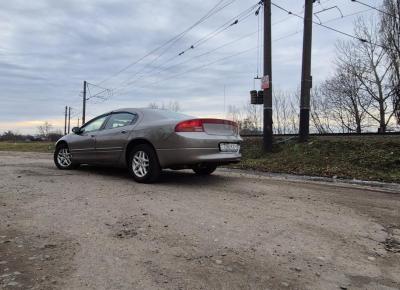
pixel 76 130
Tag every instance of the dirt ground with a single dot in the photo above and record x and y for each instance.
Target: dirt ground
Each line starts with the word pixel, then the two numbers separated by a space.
pixel 95 228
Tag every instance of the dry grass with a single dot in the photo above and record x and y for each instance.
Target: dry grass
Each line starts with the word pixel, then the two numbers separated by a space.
pixel 362 158
pixel 27 146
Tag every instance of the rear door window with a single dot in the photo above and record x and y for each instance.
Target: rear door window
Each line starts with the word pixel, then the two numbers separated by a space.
pixel 120 120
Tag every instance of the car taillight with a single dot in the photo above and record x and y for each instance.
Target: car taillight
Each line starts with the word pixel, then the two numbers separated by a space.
pixel 190 126
pixel 196 125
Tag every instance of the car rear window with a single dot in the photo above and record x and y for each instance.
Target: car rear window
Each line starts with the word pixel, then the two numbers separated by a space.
pixel 120 120
pixel 172 115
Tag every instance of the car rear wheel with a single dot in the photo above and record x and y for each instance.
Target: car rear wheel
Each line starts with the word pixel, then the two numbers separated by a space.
pixel 143 164
pixel 204 169
pixel 63 158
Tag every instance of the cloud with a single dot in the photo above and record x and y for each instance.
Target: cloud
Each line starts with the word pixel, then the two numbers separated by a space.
pixel 47 49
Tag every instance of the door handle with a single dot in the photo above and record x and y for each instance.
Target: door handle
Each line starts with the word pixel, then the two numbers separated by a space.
pixel 123 132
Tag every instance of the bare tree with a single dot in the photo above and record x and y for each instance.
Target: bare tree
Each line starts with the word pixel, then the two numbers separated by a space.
pixel 390 38
pixel 235 114
pixel 45 130
pixel 367 61
pixel 153 105
pixel 294 118
pixel 252 117
pixel 321 117
pixel 285 112
pixel 346 100
pixel 294 112
pixel 172 106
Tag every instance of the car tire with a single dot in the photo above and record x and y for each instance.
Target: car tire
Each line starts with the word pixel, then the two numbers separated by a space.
pixel 143 164
pixel 204 169
pixel 63 158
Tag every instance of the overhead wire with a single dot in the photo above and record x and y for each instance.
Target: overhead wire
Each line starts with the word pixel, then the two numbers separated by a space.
pixel 347 15
pixel 204 65
pixel 375 8
pixel 242 52
pixel 203 54
pixel 258 42
pixel 210 63
pixel 173 40
pixel 278 39
pixel 193 58
pixel 330 28
pixel 233 21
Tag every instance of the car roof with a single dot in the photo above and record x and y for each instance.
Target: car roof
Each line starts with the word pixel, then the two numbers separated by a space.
pixel 154 112
pixel 135 110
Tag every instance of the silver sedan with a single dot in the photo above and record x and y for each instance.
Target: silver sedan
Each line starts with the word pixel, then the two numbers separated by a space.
pixel 148 140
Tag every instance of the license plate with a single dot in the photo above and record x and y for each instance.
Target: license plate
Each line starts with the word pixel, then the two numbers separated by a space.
pixel 229 147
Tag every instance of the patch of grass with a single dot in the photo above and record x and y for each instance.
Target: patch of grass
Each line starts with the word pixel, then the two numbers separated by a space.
pixel 27 146
pixel 367 159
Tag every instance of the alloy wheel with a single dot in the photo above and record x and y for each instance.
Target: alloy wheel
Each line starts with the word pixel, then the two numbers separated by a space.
pixel 140 164
pixel 64 157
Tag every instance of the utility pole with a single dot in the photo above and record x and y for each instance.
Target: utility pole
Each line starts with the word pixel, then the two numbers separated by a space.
pixel 306 78
pixel 69 119
pixel 267 131
pixel 78 122
pixel 84 102
pixel 65 120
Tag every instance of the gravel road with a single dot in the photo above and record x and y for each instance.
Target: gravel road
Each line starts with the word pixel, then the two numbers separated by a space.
pixel 95 228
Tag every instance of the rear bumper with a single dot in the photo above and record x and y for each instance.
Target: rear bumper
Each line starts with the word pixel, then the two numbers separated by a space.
pixel 191 156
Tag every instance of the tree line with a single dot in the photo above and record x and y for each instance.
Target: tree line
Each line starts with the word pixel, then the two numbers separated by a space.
pixel 46 132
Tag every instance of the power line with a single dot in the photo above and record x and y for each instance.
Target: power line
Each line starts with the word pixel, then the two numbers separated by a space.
pixel 348 15
pixel 118 90
pixel 97 86
pixel 328 21
pixel 331 28
pixel 233 21
pixel 99 95
pixel 213 62
pixel 169 46
pixel 327 9
pixel 173 40
pixel 258 64
pixel 192 58
pixel 375 8
pixel 205 65
pixel 199 67
pixel 247 10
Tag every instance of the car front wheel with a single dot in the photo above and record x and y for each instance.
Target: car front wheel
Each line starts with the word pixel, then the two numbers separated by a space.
pixel 143 164
pixel 63 158
pixel 204 169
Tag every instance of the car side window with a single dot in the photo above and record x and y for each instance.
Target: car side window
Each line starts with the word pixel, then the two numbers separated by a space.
pixel 94 125
pixel 120 120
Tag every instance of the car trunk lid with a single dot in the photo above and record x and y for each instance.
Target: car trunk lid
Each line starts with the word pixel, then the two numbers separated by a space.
pixel 220 127
pixel 209 126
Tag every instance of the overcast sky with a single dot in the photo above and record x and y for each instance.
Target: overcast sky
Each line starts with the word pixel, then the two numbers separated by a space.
pixel 47 49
